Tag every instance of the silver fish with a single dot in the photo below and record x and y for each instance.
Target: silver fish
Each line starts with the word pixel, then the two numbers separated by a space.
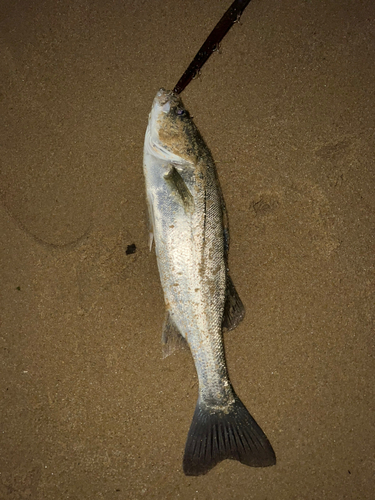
pixel 190 228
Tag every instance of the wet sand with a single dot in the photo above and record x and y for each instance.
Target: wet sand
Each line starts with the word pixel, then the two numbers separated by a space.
pixel 89 410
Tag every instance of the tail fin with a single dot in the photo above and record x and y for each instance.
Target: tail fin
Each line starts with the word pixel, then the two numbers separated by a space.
pixel 218 435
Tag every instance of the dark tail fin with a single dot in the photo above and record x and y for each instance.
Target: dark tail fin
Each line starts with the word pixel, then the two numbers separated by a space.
pixel 218 435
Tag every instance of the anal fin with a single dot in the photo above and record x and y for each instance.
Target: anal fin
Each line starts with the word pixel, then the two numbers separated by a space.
pixel 171 340
pixel 151 224
pixel 150 239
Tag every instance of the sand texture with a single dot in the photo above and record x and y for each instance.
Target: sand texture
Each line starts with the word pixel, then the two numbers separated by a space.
pixel 88 409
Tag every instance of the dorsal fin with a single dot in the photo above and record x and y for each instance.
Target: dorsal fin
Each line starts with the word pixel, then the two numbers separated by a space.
pixel 234 310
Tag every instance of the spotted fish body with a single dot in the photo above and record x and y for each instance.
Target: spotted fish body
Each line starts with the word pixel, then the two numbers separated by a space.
pixel 190 230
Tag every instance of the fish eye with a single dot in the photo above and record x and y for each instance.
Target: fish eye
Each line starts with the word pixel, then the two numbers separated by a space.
pixel 181 112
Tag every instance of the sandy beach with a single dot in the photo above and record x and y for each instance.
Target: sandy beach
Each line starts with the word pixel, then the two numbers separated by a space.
pixel 89 409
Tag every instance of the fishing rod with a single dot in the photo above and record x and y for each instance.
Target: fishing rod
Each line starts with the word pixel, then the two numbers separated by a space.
pixel 231 16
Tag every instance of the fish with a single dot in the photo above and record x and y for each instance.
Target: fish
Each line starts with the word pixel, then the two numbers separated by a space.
pixel 189 227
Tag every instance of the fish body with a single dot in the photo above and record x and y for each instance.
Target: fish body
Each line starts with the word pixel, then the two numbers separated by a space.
pixel 189 226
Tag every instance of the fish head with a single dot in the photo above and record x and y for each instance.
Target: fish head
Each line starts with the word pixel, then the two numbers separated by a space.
pixel 171 133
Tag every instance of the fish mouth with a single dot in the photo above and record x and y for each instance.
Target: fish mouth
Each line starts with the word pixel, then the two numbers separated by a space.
pixel 161 106
pixel 164 100
pixel 163 96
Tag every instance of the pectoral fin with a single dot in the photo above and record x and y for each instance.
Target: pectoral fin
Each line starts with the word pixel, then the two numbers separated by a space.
pixel 180 189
